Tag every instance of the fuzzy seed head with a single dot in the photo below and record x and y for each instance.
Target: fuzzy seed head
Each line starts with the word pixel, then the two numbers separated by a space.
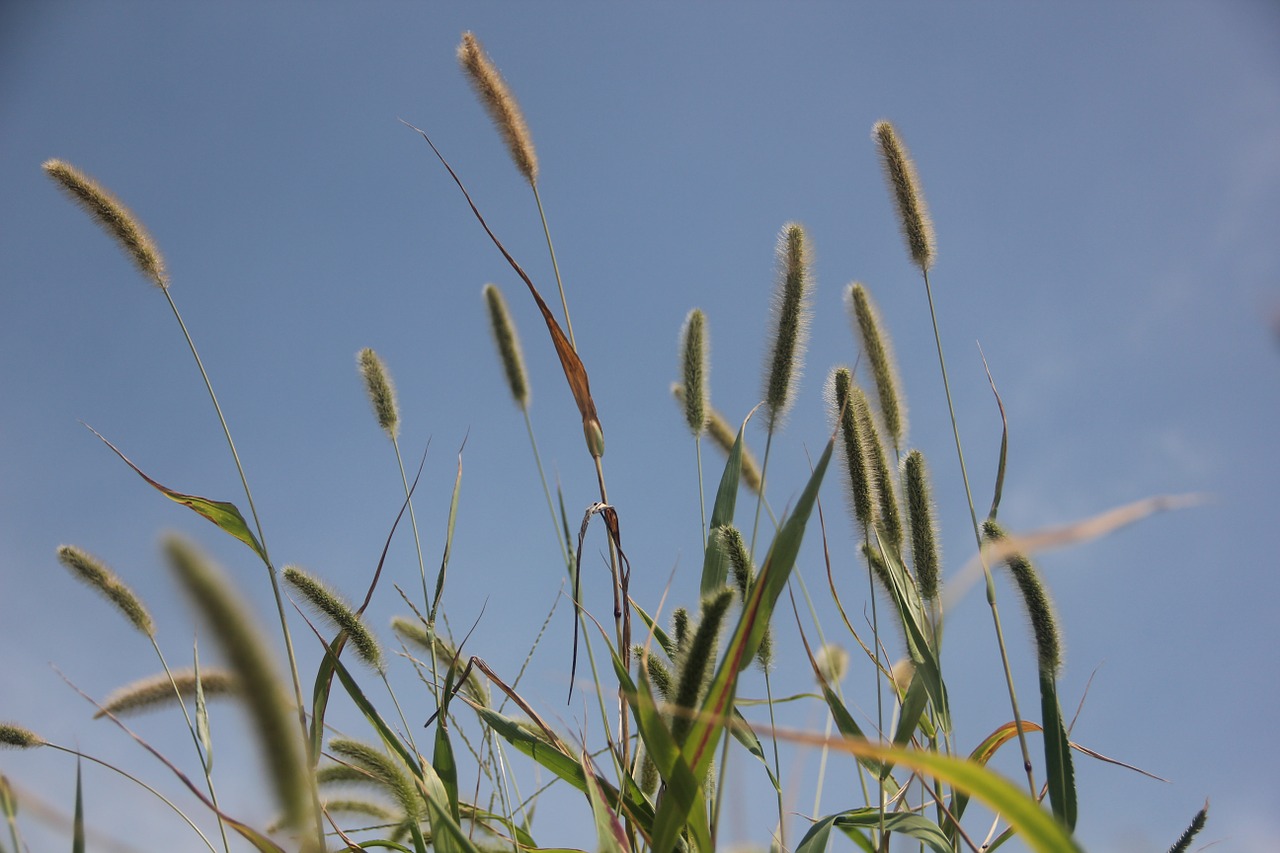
pixel 387 771
pixel 884 368
pixel 504 335
pixel 112 216
pixel 95 573
pixel 501 105
pixel 920 518
pixel 724 436
pixel 382 394
pixel 1035 598
pixel 158 691
pixel 18 737
pixel 248 656
pixel 791 323
pixel 695 370
pixel 833 663
pixel 327 603
pixel 887 515
pixel 913 214
pixel 845 400
pixel 415 631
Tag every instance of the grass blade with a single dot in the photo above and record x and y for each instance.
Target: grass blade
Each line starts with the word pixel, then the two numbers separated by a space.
pixel 77 829
pixel 716 562
pixel 1057 753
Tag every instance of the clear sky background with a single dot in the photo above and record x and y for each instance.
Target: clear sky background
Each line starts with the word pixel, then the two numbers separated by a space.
pixel 1105 181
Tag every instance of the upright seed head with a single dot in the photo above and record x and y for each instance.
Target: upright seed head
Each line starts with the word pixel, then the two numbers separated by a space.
pixel 1035 598
pixel 501 105
pixel 504 335
pixel 884 369
pixel 913 214
pixel 791 323
pixel 887 515
pixel 95 573
pixel 327 603
pixel 744 578
pixel 724 436
pixel 247 654
pixel 382 394
pixel 697 661
pixel 845 399
pixel 920 518
pixel 694 367
pixel 114 218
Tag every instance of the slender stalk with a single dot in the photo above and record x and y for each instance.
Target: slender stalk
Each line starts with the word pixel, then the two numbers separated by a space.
pixel 555 267
pixel 977 533
pixel 546 491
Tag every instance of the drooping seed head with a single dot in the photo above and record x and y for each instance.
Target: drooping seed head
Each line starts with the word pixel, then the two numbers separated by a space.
pixel 113 217
pixel 913 214
pixel 884 369
pixel 920 518
pixel 695 369
pixel 791 323
pixel 95 573
pixel 382 393
pixel 844 398
pixel 724 437
pixel 501 105
pixel 158 691
pixel 1035 598
pixel 19 737
pixel 387 771
pixel 248 656
pixel 327 603
pixel 504 335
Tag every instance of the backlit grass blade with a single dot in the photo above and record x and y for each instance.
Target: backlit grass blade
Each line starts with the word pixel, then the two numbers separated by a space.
pixel 221 513
pixel 1057 753
pixel 611 836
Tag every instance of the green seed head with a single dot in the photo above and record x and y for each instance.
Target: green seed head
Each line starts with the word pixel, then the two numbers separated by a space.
pixel 385 770
pixel 19 737
pixel 95 573
pixel 501 105
pixel 327 603
pixel 504 335
pixel 913 214
pixel 845 400
pixel 887 515
pixel 698 662
pixel 791 323
pixel 884 369
pixel 159 691
pixel 1035 598
pixel 724 436
pixel 920 518
pixel 695 369
pixel 114 218
pixel 382 394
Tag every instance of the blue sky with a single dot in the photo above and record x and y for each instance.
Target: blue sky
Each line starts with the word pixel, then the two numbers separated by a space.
pixel 1105 182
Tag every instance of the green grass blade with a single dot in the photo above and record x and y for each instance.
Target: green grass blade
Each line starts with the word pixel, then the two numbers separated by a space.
pixel 224 515
pixel 1057 753
pixel 77 829
pixel 715 564
pixel 448 543
pixel 611 836
pixel 920 828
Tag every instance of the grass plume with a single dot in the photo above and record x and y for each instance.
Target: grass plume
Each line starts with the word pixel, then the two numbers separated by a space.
pixel 1035 597
pixel 501 105
pixel 158 691
pixel 845 399
pixel 791 323
pixel 884 368
pixel 19 737
pixel 385 770
pixel 382 393
pixel 95 573
pixel 920 520
pixel 694 369
pixel 114 218
pixel 724 436
pixel 913 214
pixel 323 600
pixel 508 343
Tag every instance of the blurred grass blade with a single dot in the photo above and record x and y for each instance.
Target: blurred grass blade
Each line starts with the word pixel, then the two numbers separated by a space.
pixel 916 826
pixel 715 564
pixel 202 713
pixel 1057 753
pixel 77 830
pixel 609 832
pixel 913 705
pixel 221 513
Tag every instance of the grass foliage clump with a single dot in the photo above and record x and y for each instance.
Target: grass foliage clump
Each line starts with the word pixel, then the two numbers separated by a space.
pixel 691 696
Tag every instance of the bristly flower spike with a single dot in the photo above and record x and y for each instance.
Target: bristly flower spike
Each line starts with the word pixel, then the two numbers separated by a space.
pixel 95 573
pixel 791 316
pixel 920 519
pixel 913 214
pixel 504 335
pixel 884 369
pixel 695 370
pixel 845 398
pixel 18 737
pixel 500 104
pixel 1035 597
pixel 382 394
pixel 114 218
pixel 329 604
pixel 724 436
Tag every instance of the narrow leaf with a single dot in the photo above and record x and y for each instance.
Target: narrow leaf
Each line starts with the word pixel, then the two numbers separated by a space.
pixel 1057 753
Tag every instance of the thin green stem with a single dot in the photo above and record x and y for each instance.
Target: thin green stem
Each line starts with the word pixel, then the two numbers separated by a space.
pixel 764 471
pixel 537 197
pixel 546 491
pixel 702 499
pixel 977 533
pixel 777 763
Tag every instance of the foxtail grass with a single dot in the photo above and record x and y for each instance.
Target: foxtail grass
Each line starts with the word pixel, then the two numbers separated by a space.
pixel 884 369
pixel 93 572
pixel 325 601
pixel 695 370
pixel 164 689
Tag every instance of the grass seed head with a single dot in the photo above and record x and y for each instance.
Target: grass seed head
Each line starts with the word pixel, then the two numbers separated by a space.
pixel 791 323
pixel 501 105
pixel 19 737
pixel 327 603
pixel 724 436
pixel 694 369
pixel 833 663
pixel 913 214
pixel 1035 598
pixel 844 399
pixel 159 691
pixel 382 393
pixel 887 515
pixel 384 769
pixel 95 573
pixel 920 519
pixel 248 656
pixel 504 335
pixel 884 368
pixel 114 218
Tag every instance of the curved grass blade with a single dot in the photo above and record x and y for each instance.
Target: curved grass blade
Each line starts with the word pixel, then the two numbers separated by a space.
pixel 221 513
pixel 715 565
pixel 1004 439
